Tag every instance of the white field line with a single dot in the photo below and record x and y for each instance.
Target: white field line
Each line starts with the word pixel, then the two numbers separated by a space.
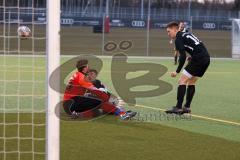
pixel 196 116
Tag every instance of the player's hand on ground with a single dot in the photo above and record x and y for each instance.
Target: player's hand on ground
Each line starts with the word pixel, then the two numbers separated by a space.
pixel 173 74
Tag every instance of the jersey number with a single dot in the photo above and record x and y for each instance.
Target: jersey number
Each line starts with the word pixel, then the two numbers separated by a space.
pixel 195 39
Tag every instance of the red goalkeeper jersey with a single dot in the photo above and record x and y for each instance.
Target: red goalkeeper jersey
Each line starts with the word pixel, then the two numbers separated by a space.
pixel 77 86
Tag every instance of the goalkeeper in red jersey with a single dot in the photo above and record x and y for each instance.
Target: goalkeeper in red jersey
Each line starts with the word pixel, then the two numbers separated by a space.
pixel 83 99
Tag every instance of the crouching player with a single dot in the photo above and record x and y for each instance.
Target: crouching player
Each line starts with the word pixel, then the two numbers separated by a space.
pixel 77 103
pixel 187 42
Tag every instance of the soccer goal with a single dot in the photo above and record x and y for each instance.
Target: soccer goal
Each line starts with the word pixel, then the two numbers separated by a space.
pixel 236 38
pixel 29 125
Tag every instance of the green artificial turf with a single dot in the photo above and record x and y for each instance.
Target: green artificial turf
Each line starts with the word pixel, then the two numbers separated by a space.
pixel 151 135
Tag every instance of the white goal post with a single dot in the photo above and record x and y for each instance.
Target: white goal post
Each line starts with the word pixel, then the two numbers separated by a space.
pixel 53 62
pixel 236 38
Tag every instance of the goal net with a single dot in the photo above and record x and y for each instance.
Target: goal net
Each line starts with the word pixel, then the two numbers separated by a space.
pixel 236 38
pixel 24 75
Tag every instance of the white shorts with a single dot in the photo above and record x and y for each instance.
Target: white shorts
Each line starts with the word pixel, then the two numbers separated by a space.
pixel 187 74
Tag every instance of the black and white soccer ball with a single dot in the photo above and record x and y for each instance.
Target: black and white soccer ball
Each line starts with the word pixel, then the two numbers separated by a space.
pixel 24 32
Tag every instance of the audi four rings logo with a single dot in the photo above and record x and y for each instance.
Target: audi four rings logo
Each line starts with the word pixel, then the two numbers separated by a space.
pixel 138 23
pixel 67 21
pixel 209 25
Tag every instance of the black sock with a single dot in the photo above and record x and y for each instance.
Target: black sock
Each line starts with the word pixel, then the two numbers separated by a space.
pixel 180 95
pixel 175 59
pixel 190 94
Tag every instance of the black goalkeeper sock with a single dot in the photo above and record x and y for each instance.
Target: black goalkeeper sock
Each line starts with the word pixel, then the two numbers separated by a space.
pixel 190 94
pixel 180 95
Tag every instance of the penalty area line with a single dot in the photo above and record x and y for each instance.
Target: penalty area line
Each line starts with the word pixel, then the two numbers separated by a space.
pixel 196 116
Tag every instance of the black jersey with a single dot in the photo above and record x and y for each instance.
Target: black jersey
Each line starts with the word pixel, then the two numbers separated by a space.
pixel 98 84
pixel 187 42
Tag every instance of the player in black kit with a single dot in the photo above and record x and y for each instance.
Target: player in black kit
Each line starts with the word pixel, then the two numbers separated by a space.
pixel 200 60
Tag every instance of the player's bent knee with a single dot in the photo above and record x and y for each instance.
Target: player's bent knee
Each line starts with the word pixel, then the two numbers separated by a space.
pixel 192 81
pixel 67 106
pixel 183 80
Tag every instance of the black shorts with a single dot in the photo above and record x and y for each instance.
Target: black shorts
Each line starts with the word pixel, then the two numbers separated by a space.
pixel 81 104
pixel 199 67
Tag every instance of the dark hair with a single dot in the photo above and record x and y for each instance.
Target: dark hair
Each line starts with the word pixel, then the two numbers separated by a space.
pixel 81 63
pixel 93 70
pixel 172 24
